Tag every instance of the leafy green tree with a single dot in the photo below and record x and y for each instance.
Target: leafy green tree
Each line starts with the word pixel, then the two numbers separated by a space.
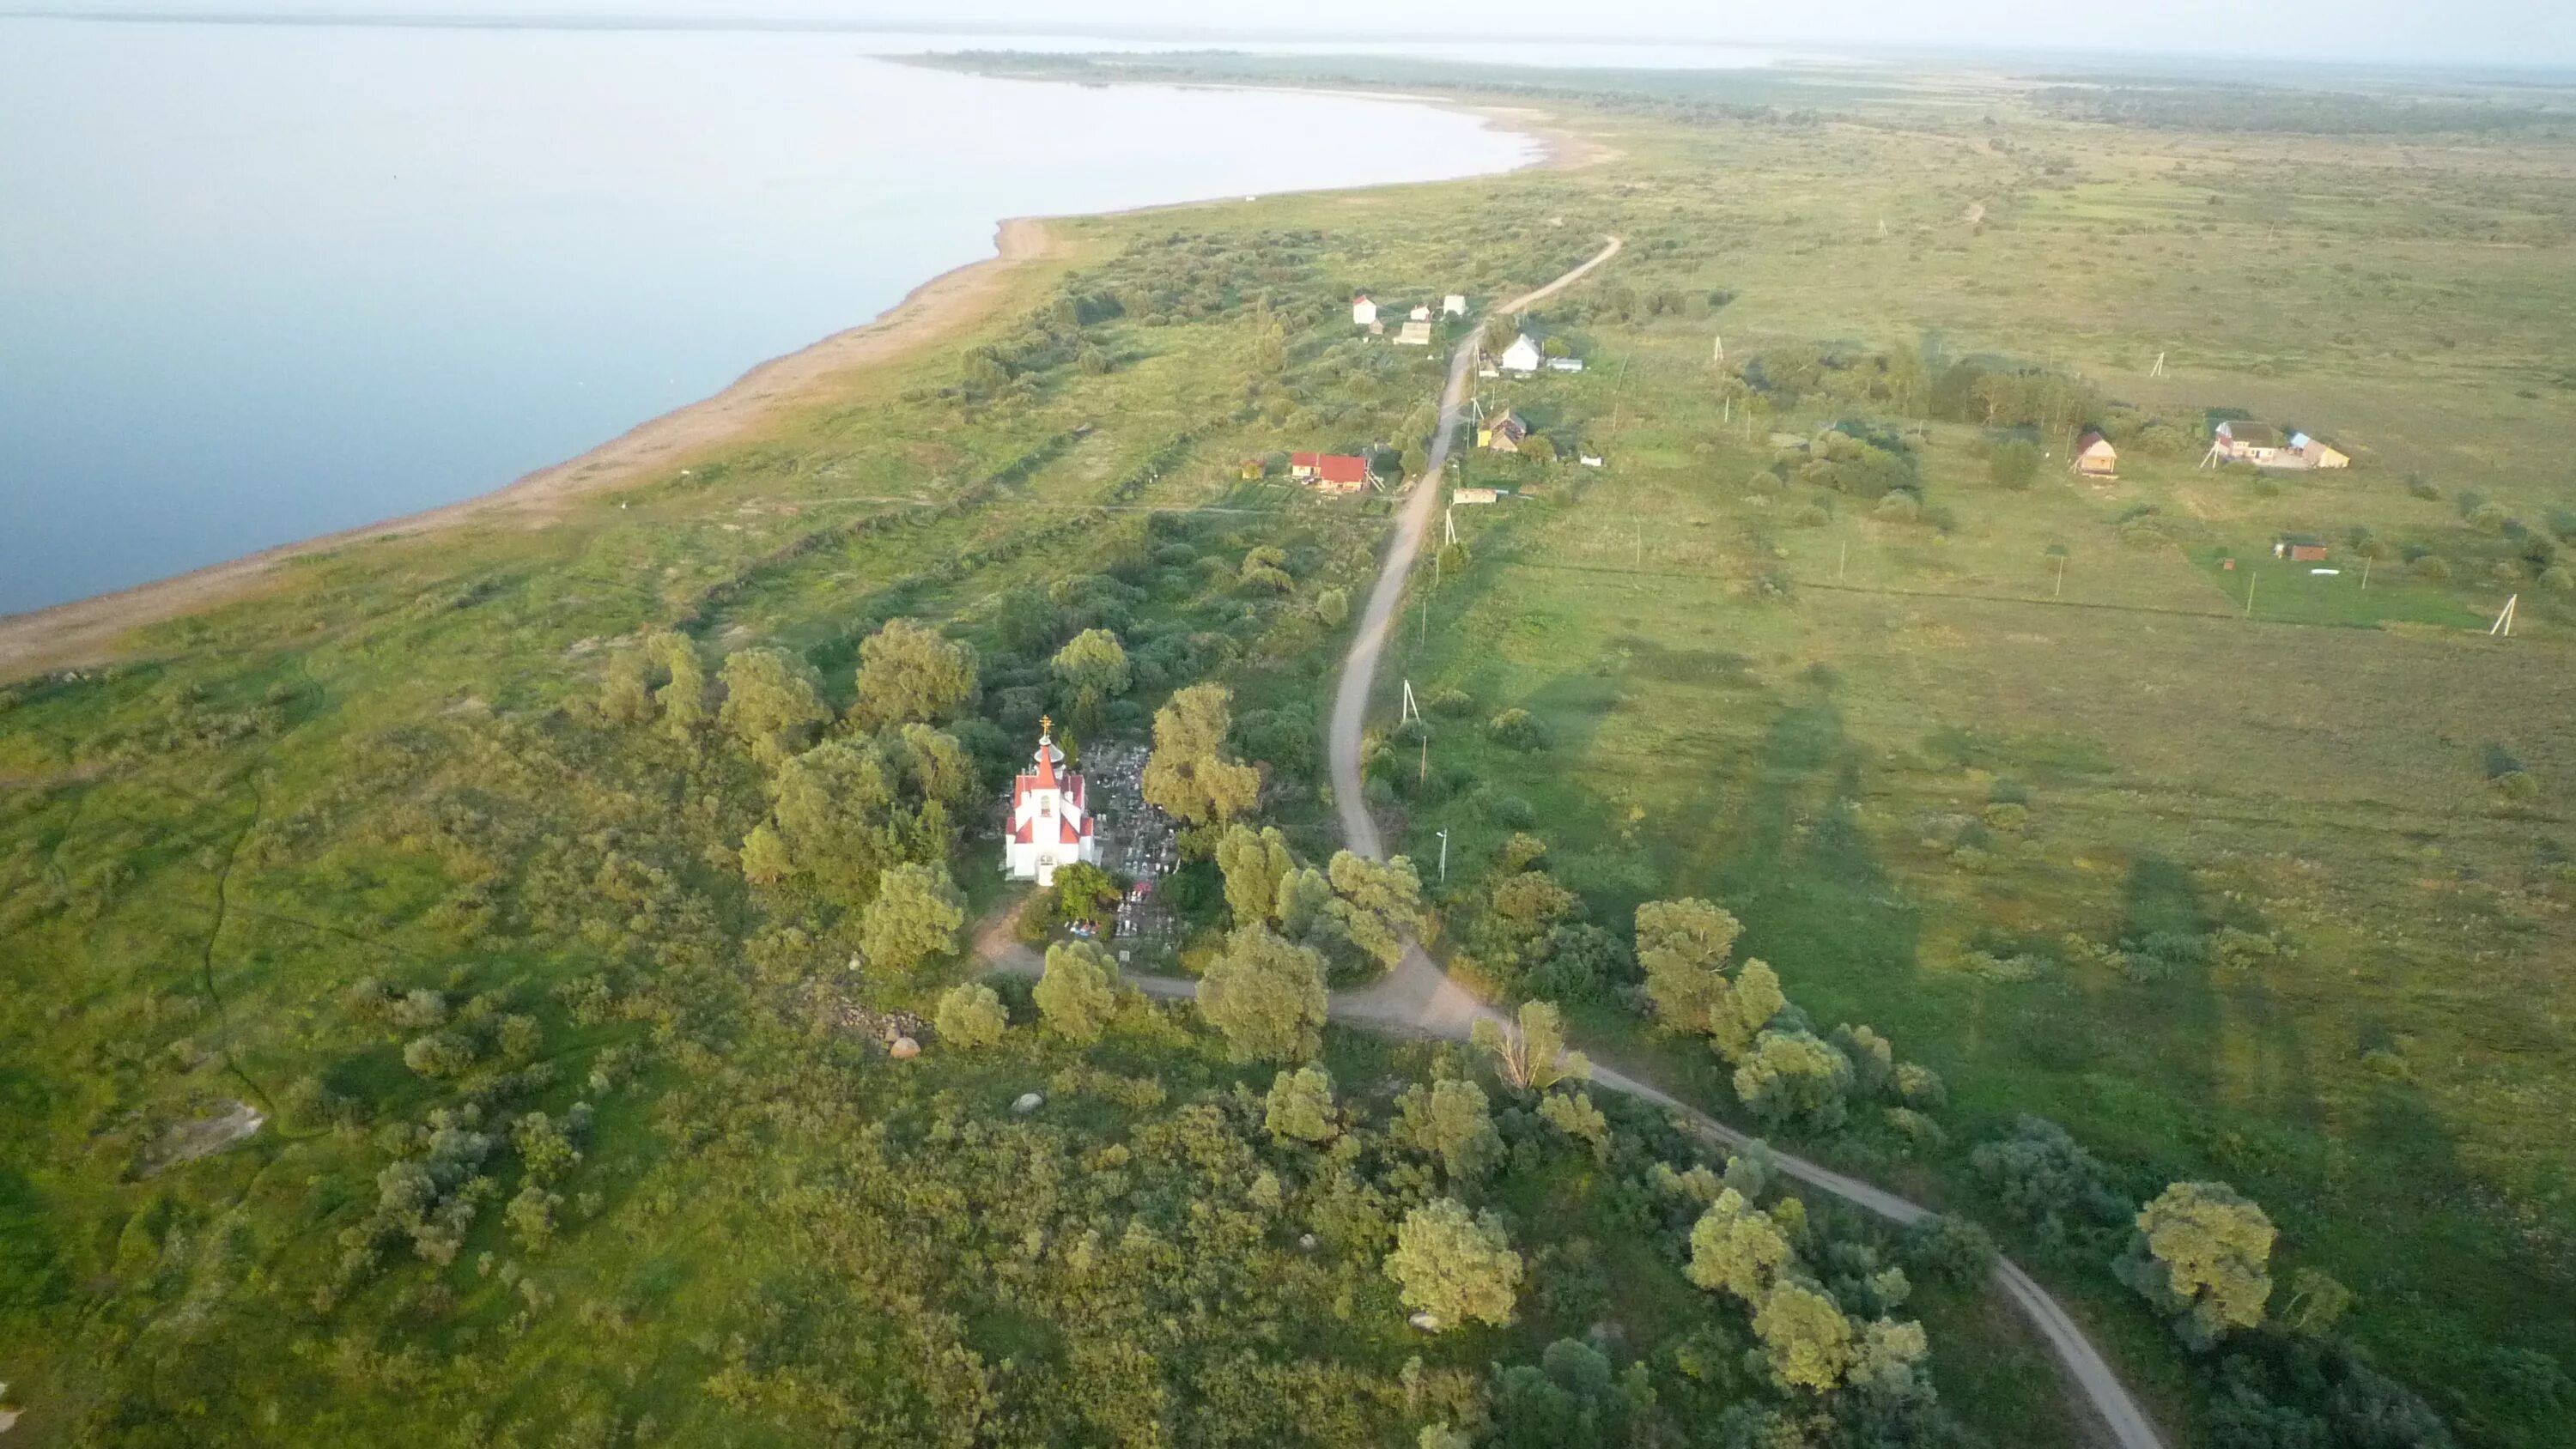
pixel 683 695
pixel 970 1015
pixel 1531 1054
pixel 1305 903
pixel 531 1217
pixel 1537 449
pixel 626 690
pixel 2317 1301
pixel 1092 666
pixel 915 917
pixel 765 858
pixel 1188 776
pixel 1806 1340
pixel 1454 1265
pixel 1794 1078
pixel 1951 1249
pixel 1378 904
pixel 1891 1362
pixel 2042 1178
pixel 1300 1106
pixel 1079 992
pixel 909 672
pixel 1266 997
pixel 2202 1255
pixel 1573 1114
pixel 771 704
pixel 1683 946
pixel 1085 892
pixel 1452 1122
pixel 2013 464
pixel 1739 1249
pixel 1254 864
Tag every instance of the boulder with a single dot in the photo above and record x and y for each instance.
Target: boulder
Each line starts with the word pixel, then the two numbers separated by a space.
pixel 903 1049
pixel 1425 1321
pixel 1028 1102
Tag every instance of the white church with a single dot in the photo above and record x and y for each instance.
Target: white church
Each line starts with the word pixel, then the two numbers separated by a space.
pixel 1050 821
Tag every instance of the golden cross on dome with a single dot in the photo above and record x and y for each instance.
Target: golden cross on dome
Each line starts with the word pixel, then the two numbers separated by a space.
pixel 1046 724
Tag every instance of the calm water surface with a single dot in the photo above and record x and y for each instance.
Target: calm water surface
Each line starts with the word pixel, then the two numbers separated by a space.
pixel 263 282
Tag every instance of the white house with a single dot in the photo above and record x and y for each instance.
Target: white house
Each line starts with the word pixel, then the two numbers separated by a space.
pixel 1420 314
pixel 1522 356
pixel 1363 311
pixel 1050 819
pixel 1453 305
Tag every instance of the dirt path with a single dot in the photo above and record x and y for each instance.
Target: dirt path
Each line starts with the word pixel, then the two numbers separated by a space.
pixel 85 631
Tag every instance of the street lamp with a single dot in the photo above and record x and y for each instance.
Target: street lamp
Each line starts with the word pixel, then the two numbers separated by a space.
pixel 1444 855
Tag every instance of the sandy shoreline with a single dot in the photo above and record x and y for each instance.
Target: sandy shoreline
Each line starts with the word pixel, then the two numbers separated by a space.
pixel 84 631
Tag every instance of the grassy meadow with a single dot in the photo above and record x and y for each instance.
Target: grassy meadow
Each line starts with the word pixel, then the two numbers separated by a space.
pixel 392 765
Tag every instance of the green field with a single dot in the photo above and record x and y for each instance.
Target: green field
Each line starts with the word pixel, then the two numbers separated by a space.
pixel 2273 895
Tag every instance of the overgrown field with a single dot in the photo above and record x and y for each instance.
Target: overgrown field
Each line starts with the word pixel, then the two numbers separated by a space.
pixel 431 855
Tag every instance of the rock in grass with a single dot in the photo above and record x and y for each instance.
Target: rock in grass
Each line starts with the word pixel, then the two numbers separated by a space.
pixel 1029 1102
pixel 903 1049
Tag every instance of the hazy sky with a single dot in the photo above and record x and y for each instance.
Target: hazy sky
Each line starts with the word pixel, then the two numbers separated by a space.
pixel 2525 33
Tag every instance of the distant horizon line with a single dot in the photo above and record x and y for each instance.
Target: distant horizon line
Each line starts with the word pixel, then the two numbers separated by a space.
pixel 1217 37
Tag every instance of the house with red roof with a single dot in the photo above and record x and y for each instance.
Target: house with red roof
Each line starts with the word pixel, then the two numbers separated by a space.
pixel 1051 821
pixel 1331 472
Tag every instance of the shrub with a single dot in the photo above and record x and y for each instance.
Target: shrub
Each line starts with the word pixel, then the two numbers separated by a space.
pixel 1517 729
pixel 2042 1178
pixel 971 1016
pixel 2431 567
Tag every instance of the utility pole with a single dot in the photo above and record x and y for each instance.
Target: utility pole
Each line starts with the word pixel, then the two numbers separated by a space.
pixel 1842 562
pixel 1444 855
pixel 2251 579
pixel 2365 573
pixel 1423 776
pixel 2060 591
pixel 2504 621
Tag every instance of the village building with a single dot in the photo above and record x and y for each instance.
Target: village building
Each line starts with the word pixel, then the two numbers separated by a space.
pixel 1502 432
pixel 1420 314
pixel 1414 334
pixel 2300 548
pixel 1522 356
pixel 1363 311
pixel 2095 457
pixel 1330 472
pixel 1471 495
pixel 1051 823
pixel 2316 453
pixel 1565 364
pixel 1453 305
pixel 1588 460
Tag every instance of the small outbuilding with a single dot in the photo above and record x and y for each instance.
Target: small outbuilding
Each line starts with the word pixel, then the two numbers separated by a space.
pixel 1471 495
pixel 2318 453
pixel 2300 548
pixel 1453 305
pixel 1502 433
pixel 1416 333
pixel 2095 457
pixel 1363 311
pixel 1420 314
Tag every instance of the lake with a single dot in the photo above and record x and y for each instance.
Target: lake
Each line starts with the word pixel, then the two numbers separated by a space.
pixel 261 282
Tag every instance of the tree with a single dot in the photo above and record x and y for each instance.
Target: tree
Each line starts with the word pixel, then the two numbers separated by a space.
pixel 1683 946
pixel 1794 1077
pixel 1805 1338
pixel 1950 1249
pixel 1531 1055
pixel 1537 449
pixel 531 1217
pixel 1455 1266
pixel 1079 991
pixel 1300 1106
pixel 765 860
pixel 1085 892
pixel 2013 464
pixel 2041 1177
pixel 1739 1249
pixel 1254 864
pixel 970 1015
pixel 683 697
pixel 916 916
pixel 2317 1300
pixel 771 704
pixel 1378 904
pixel 2202 1255
pixel 1573 1114
pixel 1093 665
pixel 1188 776
pixel 1451 1122
pixel 626 692
pixel 910 672
pixel 1266 997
